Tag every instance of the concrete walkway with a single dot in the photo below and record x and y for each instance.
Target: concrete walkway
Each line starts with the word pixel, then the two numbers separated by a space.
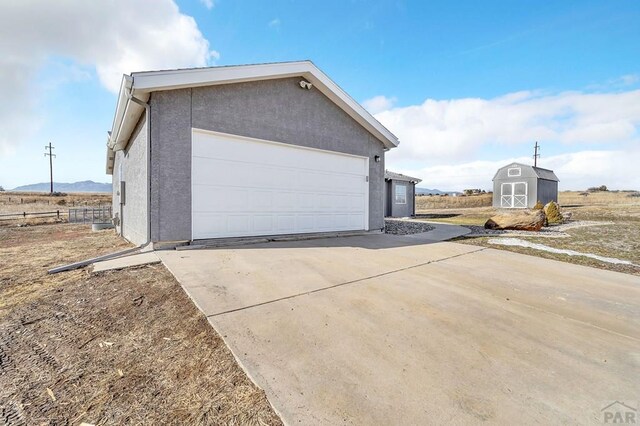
pixel 383 329
pixel 444 231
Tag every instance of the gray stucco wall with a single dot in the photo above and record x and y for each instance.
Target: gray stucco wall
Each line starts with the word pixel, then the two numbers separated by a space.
pixel 400 210
pixel 131 166
pixel 277 110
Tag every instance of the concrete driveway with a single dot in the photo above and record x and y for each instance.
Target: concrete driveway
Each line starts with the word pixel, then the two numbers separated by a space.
pixel 381 329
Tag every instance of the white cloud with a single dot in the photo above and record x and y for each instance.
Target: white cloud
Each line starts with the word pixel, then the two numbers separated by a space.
pixel 207 3
pixel 630 79
pixel 594 136
pixel 576 171
pixel 110 37
pixel 274 23
pixel 378 104
pixel 441 131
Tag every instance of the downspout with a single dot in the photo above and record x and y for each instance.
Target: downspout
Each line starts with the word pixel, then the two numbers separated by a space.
pixel 133 250
pixel 414 199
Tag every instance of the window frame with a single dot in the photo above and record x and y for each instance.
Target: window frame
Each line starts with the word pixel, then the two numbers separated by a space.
pixel 518 169
pixel 395 193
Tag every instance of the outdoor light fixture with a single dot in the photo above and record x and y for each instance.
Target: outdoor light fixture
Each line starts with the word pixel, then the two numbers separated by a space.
pixel 376 158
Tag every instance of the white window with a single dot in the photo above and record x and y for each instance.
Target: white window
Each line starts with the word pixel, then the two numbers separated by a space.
pixel 401 194
pixel 514 172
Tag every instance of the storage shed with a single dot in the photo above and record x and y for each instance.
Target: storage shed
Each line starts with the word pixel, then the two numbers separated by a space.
pixel 243 151
pixel 400 194
pixel 519 186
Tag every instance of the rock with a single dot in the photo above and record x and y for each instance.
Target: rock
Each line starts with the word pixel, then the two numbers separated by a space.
pixel 522 221
pixel 552 211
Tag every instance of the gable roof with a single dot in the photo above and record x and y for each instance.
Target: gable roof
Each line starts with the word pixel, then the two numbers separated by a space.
pixel 389 175
pixel 140 84
pixel 545 174
pixel 541 173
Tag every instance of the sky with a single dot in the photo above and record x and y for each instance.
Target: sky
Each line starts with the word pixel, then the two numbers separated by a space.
pixel 467 86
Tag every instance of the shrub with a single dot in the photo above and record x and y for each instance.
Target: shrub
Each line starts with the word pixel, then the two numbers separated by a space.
pixel 538 206
pixel 1 189
pixel 552 210
pixel 61 202
pixel 601 188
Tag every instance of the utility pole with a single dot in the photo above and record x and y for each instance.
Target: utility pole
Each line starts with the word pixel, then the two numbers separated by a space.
pixel 51 155
pixel 536 155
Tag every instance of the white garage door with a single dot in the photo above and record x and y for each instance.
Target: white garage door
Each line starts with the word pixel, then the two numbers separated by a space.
pixel 248 187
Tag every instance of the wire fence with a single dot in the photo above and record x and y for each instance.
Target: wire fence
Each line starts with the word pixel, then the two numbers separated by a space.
pixel 100 214
pixel 11 216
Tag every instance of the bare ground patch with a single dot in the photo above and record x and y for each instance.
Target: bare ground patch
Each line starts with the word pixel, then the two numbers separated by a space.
pixel 121 347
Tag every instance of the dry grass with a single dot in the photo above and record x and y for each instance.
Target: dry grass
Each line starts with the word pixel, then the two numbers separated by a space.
pixel 425 202
pixel 18 202
pixel 123 347
pixel 32 202
pixel 620 239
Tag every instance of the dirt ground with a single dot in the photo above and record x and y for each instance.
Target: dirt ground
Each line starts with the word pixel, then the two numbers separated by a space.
pixel 617 237
pixel 123 347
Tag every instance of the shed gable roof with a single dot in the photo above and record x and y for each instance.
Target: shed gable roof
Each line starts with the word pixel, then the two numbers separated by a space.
pixel 140 84
pixel 539 172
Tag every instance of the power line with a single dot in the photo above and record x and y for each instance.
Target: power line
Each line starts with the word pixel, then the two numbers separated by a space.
pixel 536 155
pixel 51 155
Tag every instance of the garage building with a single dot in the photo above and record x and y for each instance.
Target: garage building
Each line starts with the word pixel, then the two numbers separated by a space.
pixel 238 151
pixel 400 194
pixel 519 186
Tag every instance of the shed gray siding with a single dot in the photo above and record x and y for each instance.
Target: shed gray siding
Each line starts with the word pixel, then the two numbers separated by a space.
pixel 277 110
pixel 547 191
pixel 400 210
pixel 132 165
pixel 538 188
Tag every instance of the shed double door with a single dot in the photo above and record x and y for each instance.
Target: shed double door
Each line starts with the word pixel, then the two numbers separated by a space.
pixel 513 195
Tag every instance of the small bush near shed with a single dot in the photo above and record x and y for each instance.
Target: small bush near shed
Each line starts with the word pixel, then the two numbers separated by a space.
pixel 538 206
pixel 552 210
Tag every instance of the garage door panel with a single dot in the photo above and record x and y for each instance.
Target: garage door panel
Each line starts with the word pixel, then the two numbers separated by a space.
pixel 263 223
pixel 209 224
pixel 210 145
pixel 243 187
pixel 239 224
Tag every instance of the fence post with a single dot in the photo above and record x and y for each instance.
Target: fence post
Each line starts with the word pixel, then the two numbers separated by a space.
pixel 58 213
pixel 24 214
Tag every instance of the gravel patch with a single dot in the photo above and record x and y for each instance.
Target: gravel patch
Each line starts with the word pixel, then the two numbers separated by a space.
pixel 553 231
pixel 406 227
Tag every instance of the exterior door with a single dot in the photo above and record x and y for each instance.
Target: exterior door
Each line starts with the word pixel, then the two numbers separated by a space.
pixel 513 195
pixel 250 187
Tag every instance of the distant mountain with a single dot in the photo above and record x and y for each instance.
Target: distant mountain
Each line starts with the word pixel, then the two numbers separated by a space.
pixel 84 186
pixel 427 191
